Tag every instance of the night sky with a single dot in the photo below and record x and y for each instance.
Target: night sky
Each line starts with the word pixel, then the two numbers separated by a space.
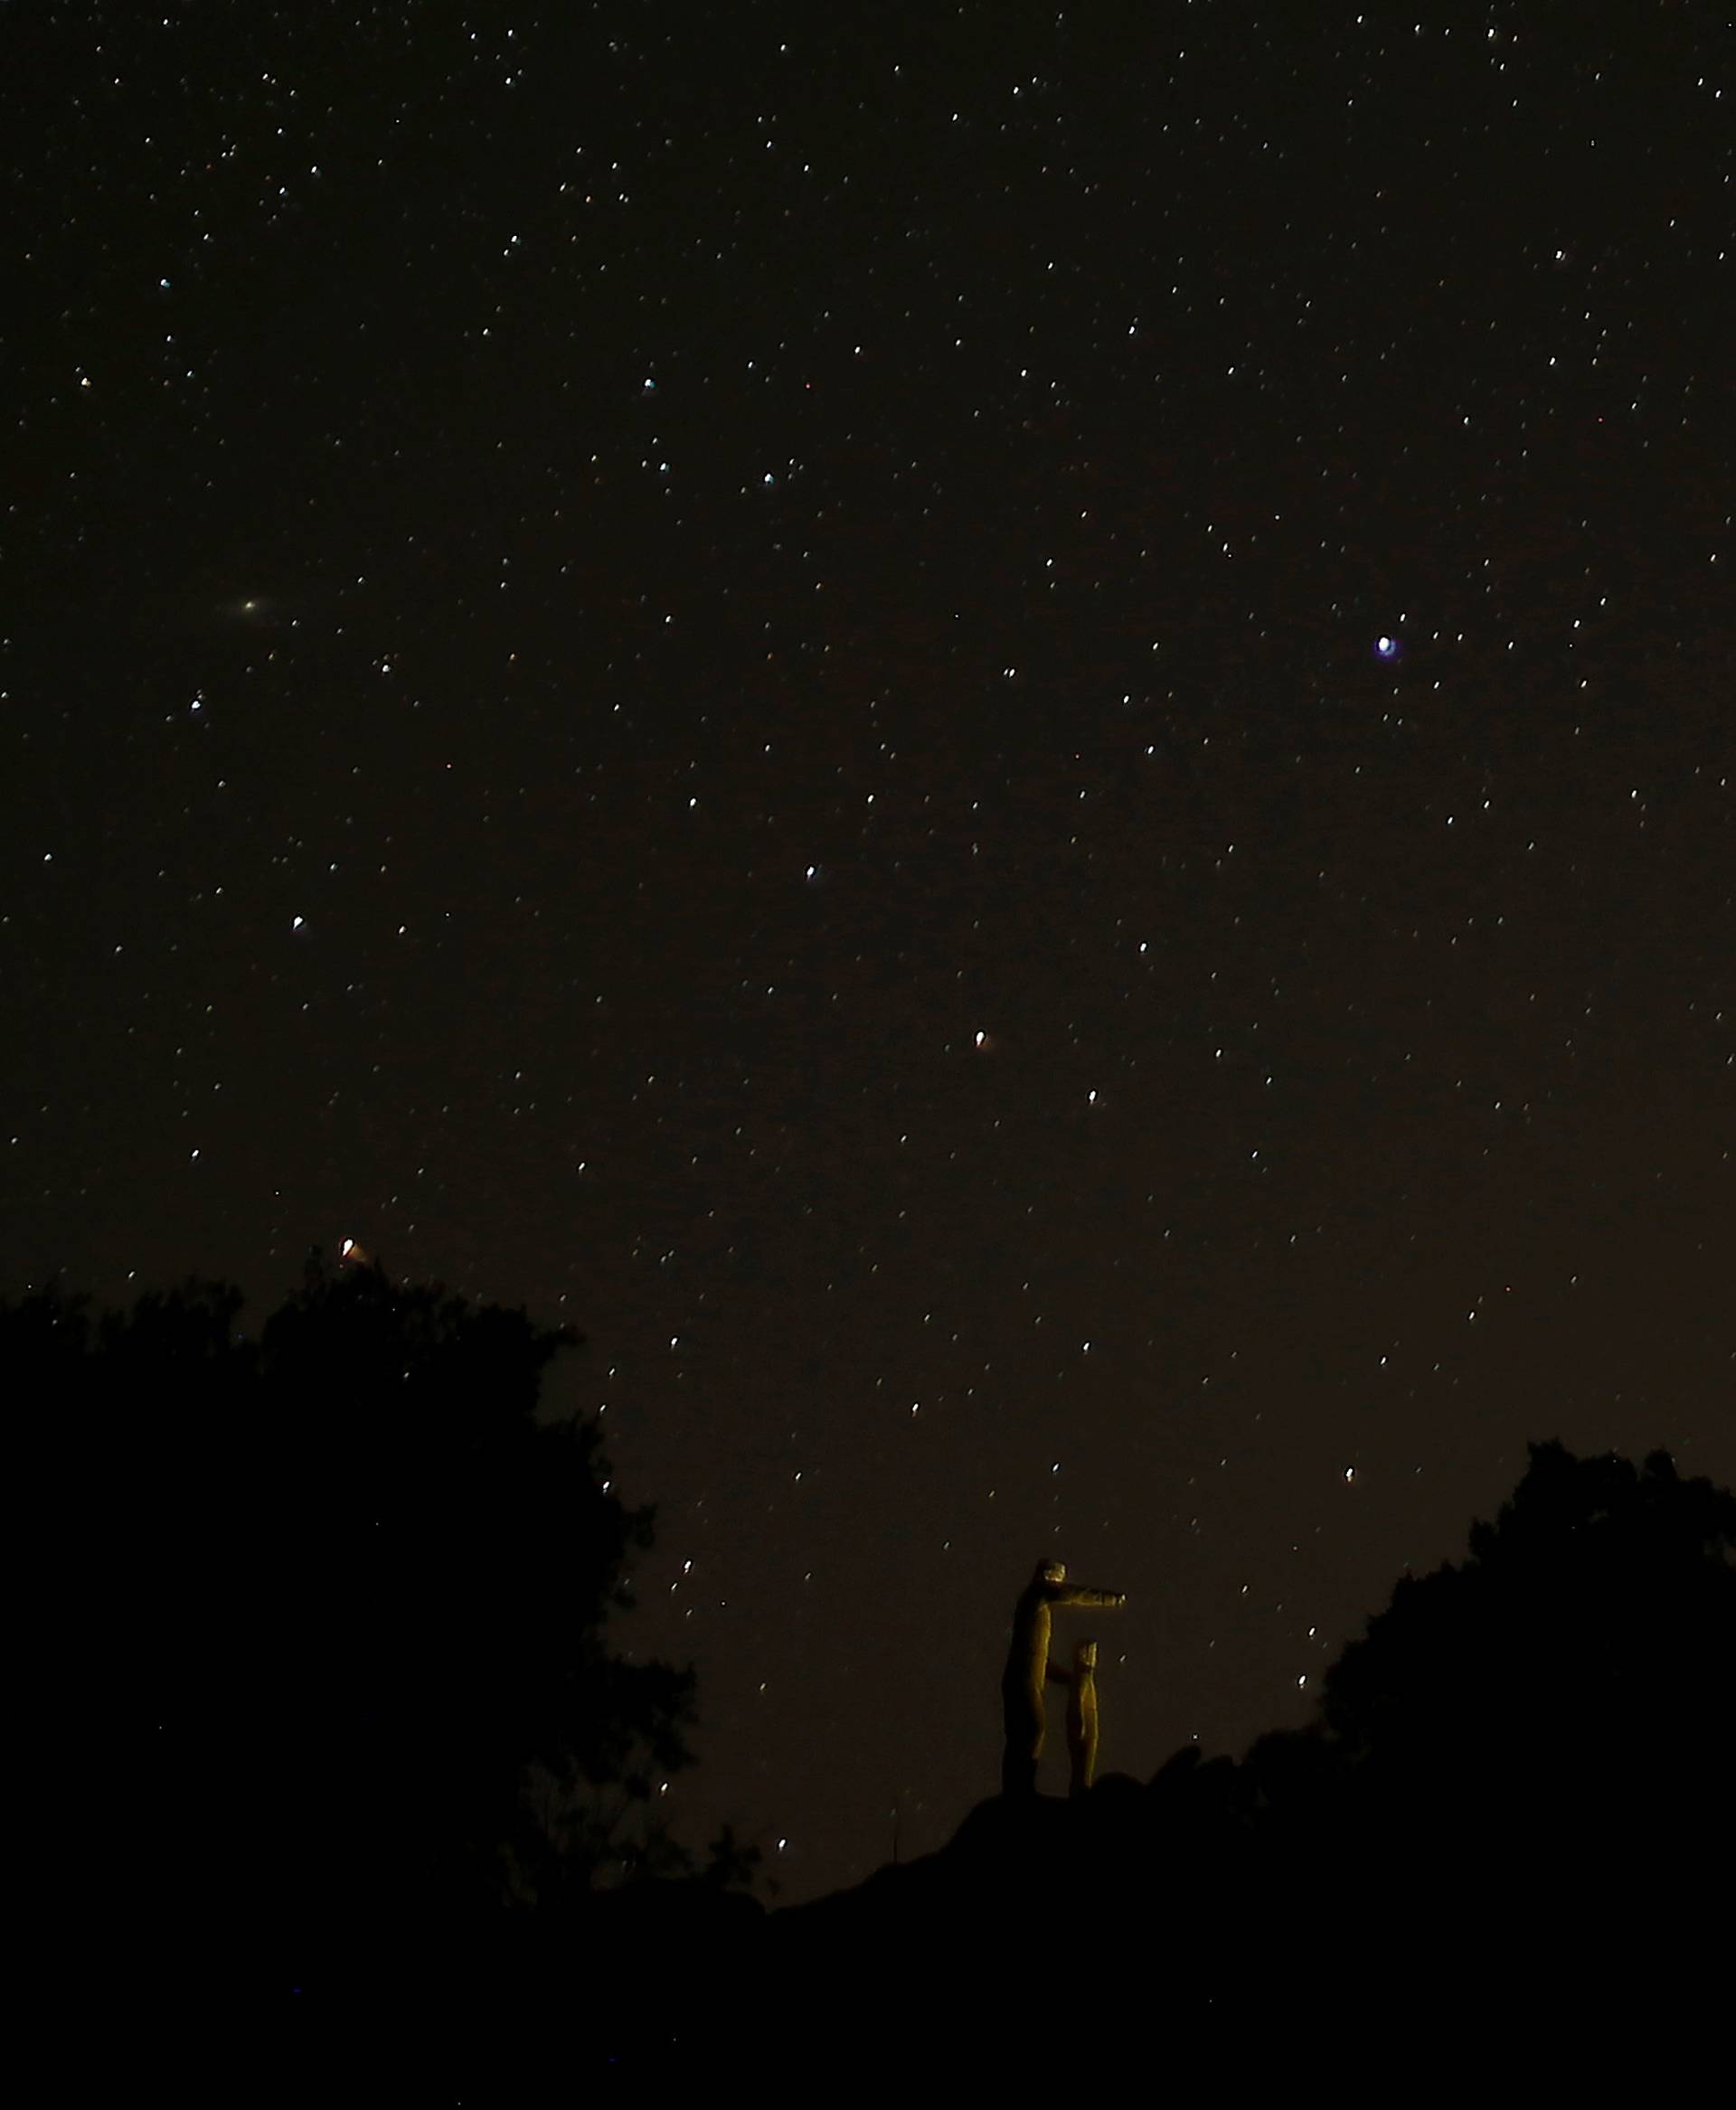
pixel 1003 737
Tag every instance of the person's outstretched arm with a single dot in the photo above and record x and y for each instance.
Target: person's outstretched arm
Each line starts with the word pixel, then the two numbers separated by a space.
pixel 1102 1600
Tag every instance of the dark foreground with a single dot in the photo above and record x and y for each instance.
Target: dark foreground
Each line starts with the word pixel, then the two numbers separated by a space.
pixel 1124 1937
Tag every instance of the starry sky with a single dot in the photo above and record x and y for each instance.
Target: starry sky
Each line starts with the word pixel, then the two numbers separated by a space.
pixel 1002 734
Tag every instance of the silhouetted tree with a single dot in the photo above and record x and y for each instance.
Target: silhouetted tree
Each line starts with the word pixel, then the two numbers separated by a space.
pixel 1580 1659
pixel 342 1611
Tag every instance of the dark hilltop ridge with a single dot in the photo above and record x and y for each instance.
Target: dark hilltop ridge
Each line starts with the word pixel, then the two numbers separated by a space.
pixel 1508 1836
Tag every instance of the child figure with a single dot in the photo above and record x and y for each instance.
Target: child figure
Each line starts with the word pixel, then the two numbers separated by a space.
pixel 1081 1717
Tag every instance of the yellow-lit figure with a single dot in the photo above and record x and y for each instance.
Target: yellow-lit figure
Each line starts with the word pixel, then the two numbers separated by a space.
pixel 1081 1717
pixel 1027 1668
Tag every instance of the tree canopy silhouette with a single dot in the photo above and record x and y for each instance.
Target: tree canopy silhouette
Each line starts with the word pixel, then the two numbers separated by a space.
pixel 348 1600
pixel 1579 1659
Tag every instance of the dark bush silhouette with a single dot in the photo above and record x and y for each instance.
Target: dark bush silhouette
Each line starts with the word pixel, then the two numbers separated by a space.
pixel 341 1623
pixel 442 1574
pixel 1578 1660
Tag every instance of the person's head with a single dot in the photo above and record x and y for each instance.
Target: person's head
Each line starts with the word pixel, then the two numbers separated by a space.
pixel 1051 1571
